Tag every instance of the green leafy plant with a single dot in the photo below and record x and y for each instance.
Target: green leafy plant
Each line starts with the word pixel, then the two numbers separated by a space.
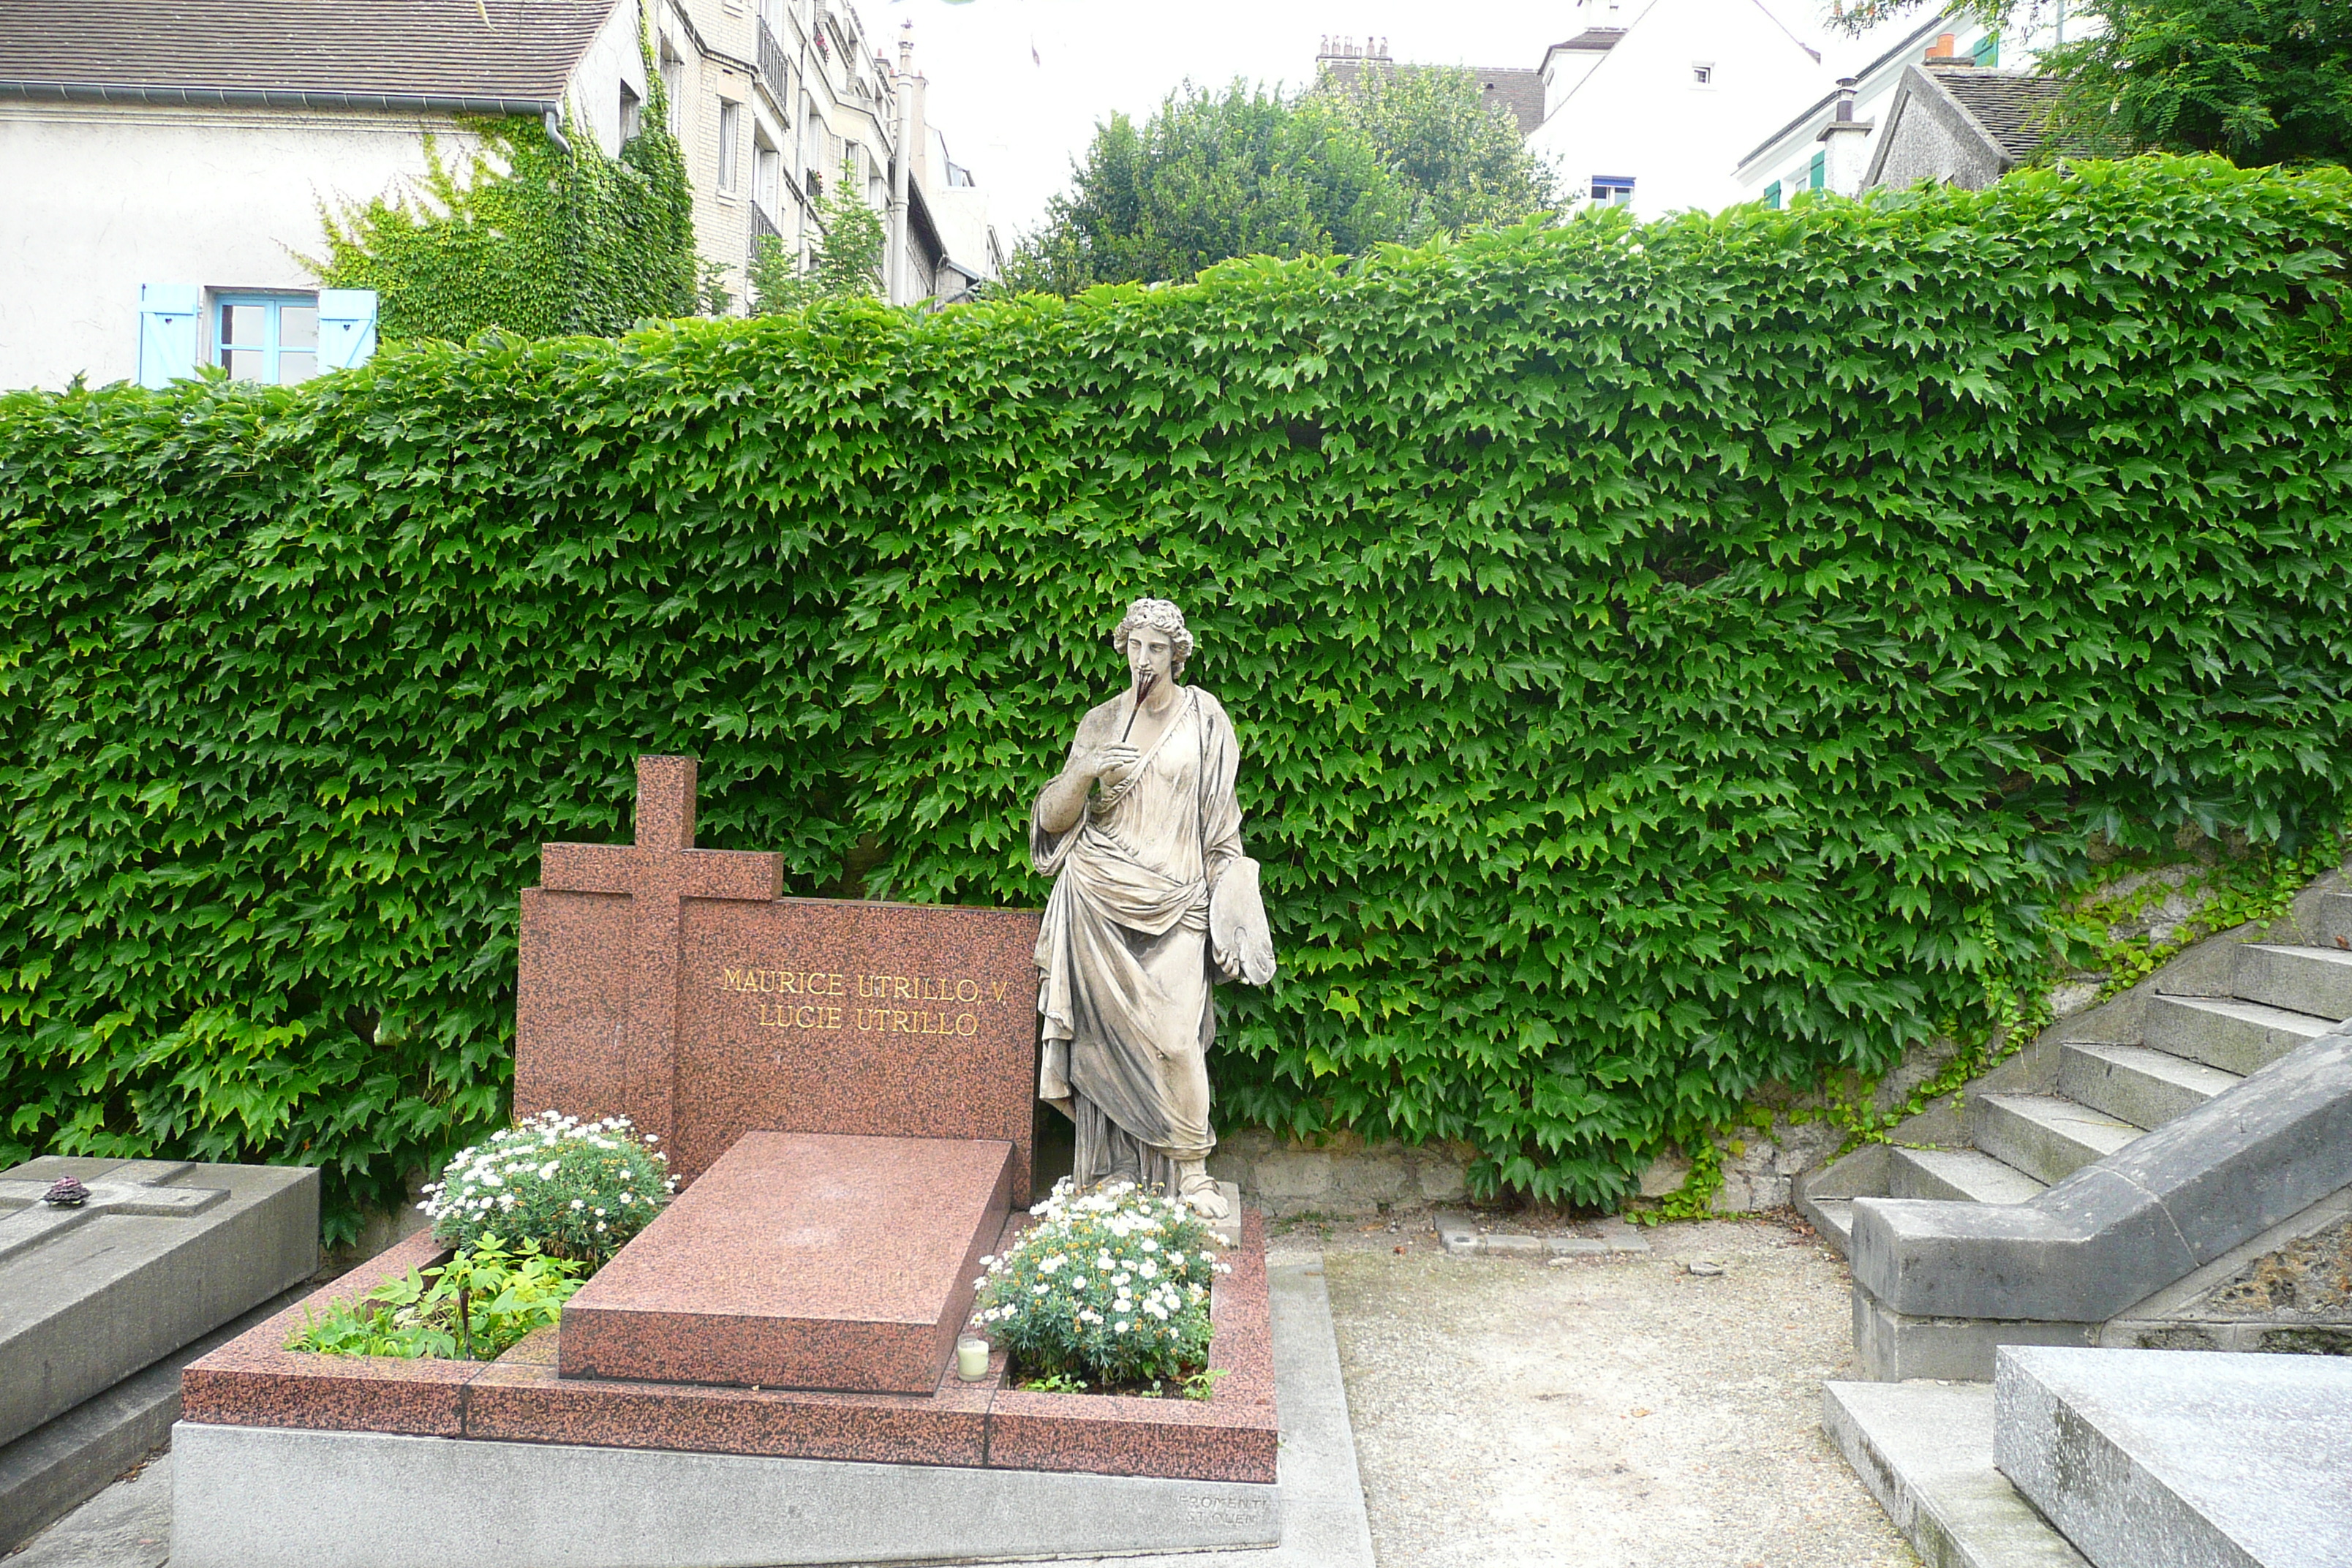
pixel 1668 659
pixel 526 237
pixel 1111 1286
pixel 572 1189
pixel 472 1308
pixel 848 260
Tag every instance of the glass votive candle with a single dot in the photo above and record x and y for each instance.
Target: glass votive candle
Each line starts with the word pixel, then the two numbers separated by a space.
pixel 971 1358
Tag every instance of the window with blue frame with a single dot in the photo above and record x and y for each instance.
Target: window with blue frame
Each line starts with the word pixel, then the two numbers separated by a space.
pixel 271 338
pixel 1614 189
pixel 1987 52
pixel 1772 195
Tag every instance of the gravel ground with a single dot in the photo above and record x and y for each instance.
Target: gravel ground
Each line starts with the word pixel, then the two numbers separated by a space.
pixel 1616 1411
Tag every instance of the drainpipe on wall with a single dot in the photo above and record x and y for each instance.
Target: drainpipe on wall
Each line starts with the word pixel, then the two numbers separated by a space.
pixel 901 162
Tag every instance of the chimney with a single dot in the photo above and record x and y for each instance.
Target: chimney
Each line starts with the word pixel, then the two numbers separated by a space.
pixel 1844 143
pixel 1947 52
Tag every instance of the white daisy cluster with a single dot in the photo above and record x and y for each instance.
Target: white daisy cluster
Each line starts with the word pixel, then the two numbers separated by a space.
pixel 1111 1286
pixel 579 1189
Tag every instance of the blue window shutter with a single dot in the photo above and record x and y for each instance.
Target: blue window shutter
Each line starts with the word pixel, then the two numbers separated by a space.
pixel 346 328
pixel 167 331
pixel 1772 195
pixel 1817 175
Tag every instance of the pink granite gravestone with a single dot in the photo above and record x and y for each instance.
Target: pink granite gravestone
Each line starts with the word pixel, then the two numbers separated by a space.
pixel 671 984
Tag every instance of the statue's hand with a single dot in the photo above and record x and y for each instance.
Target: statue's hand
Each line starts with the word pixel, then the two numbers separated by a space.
pixel 1228 963
pixel 1114 765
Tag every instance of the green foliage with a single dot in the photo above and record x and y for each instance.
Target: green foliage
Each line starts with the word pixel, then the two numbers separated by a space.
pixel 1665 658
pixel 1398 155
pixel 1459 158
pixel 526 240
pixel 1211 176
pixel 472 1308
pixel 2100 928
pixel 2261 81
pixel 1111 1286
pixel 848 260
pixel 572 1189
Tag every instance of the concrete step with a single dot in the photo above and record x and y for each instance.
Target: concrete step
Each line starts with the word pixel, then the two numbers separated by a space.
pixel 2334 920
pixel 1925 1450
pixel 2223 1032
pixel 2157 1458
pixel 1960 1175
pixel 2043 1135
pixel 2132 1083
pixel 1833 1218
pixel 2316 980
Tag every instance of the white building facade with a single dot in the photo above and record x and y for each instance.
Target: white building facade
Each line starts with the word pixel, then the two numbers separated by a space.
pixel 166 166
pixel 1646 103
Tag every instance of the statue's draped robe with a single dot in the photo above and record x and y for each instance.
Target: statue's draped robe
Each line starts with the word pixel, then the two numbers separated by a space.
pixel 1124 983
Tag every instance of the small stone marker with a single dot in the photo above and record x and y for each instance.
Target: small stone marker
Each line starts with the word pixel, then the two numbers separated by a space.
pixel 672 986
pixel 801 1262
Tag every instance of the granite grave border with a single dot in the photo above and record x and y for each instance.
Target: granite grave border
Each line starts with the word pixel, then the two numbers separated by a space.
pixel 254 1381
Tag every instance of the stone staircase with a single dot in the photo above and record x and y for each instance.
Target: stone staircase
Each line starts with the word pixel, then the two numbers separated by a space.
pixel 2087 1089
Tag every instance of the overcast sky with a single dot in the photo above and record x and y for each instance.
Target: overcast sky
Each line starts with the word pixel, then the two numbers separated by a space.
pixel 1017 86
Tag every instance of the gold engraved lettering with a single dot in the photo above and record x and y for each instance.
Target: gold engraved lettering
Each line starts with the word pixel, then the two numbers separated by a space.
pixel 966 1024
pixel 999 997
pixel 903 989
pixel 967 991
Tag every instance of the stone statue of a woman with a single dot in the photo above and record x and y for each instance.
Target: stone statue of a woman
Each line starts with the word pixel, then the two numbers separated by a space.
pixel 1153 900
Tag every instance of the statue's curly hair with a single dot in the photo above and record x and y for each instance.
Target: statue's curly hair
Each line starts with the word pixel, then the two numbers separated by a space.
pixel 1161 616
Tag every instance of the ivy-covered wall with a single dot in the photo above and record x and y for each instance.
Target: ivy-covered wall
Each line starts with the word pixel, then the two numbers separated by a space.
pixel 1666 658
pixel 527 238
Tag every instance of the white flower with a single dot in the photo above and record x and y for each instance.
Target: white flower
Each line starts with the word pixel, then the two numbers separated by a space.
pixel 1149 1245
pixel 600 1214
pixel 1120 1327
pixel 547 1172
pixel 579 1203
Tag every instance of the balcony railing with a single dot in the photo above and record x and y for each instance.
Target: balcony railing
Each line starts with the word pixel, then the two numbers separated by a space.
pixel 772 68
pixel 763 228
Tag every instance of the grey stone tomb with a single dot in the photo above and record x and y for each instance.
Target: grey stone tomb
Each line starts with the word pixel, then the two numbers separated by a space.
pixel 2181 1459
pixel 158 1255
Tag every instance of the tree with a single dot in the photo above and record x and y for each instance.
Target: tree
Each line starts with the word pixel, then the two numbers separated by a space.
pixel 1209 176
pixel 2260 81
pixel 1460 156
pixel 848 260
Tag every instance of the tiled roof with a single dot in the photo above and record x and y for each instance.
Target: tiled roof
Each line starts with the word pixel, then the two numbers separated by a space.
pixel 1601 40
pixel 2012 105
pixel 1520 91
pixel 233 50
pixel 1516 88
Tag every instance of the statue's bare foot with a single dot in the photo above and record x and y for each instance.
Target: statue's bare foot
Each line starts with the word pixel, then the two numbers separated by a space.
pixel 1200 1189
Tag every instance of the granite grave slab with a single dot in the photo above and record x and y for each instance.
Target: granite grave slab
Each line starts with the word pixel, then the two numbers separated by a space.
pixel 255 1381
pixel 672 985
pixel 802 1260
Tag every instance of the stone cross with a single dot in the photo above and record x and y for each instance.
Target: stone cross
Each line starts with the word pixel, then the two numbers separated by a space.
pixel 662 867
pixel 132 1187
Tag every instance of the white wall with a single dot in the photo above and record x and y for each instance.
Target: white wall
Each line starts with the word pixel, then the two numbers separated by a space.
pixel 100 200
pixel 1641 114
